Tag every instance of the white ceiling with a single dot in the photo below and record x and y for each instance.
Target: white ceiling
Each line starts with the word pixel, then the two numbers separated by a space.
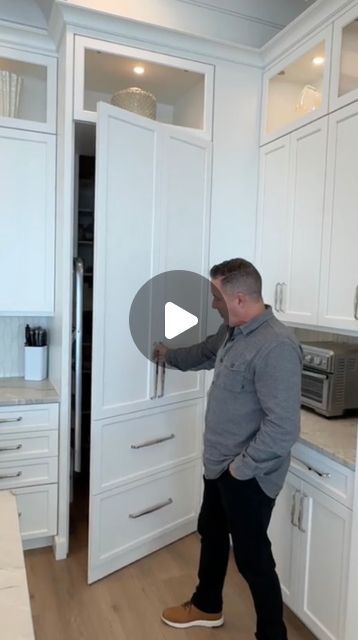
pixel 251 22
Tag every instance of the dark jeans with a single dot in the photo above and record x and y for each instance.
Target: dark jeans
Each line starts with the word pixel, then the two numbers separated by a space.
pixel 239 507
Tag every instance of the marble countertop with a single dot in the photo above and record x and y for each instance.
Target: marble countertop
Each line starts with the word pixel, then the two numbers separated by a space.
pixel 15 391
pixel 15 610
pixel 334 437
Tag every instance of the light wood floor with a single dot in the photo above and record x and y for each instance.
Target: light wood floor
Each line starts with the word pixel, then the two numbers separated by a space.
pixel 127 604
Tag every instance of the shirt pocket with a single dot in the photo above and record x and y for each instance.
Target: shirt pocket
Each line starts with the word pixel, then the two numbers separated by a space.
pixel 235 376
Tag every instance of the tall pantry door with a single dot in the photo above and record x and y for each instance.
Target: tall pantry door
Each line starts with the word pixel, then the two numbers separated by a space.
pixel 145 453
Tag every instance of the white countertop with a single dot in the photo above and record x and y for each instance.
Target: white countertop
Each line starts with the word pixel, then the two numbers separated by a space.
pixel 15 610
pixel 15 391
pixel 334 437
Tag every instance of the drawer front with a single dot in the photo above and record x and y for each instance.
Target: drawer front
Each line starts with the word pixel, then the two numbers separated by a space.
pixel 132 517
pixel 27 472
pixel 28 417
pixel 22 446
pixel 37 509
pixel 133 446
pixel 331 477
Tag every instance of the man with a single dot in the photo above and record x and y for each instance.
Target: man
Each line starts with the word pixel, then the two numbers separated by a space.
pixel 252 421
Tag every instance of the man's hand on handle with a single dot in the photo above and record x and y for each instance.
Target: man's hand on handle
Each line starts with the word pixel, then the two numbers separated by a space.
pixel 160 351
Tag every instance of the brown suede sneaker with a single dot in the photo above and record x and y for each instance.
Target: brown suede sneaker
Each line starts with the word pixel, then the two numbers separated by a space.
pixel 187 615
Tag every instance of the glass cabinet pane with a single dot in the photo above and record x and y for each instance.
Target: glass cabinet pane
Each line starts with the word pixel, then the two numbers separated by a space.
pixel 296 90
pixel 168 94
pixel 23 90
pixel 348 76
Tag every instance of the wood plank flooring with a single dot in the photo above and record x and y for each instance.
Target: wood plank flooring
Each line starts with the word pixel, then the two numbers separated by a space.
pixel 127 604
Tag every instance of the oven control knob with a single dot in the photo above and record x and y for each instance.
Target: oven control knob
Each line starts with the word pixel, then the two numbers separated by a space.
pixel 308 358
pixel 317 360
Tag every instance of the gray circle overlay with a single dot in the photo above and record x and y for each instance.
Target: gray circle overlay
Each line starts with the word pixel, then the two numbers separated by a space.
pixel 186 289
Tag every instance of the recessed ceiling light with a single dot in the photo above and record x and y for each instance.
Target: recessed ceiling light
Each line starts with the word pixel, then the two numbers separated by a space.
pixel 139 70
pixel 318 60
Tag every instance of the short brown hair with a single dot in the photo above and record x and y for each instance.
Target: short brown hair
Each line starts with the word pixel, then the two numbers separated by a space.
pixel 240 275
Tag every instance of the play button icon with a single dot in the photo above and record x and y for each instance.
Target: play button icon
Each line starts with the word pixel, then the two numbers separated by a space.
pixel 177 320
pixel 174 307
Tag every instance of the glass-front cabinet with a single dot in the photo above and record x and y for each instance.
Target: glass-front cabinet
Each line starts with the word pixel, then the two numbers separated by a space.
pixel 171 90
pixel 27 90
pixel 344 82
pixel 296 89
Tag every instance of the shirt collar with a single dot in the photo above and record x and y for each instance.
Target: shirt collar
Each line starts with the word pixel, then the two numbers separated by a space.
pixel 253 324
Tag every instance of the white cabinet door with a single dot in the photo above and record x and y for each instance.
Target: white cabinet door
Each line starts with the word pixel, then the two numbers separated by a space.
pixel 325 525
pixel 283 535
pixel 273 221
pixel 27 220
pixel 144 178
pixel 125 256
pixel 339 288
pixel 186 188
pixel 305 211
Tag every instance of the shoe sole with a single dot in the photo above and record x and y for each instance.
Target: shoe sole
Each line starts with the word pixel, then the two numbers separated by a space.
pixel 194 623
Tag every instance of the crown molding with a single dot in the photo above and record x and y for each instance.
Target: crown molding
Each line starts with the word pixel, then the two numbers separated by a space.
pixel 17 36
pixel 232 12
pixel 136 33
pixel 307 24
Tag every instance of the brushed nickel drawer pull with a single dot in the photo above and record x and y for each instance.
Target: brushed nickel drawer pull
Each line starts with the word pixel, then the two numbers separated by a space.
pixel 11 475
pixel 4 420
pixel 155 507
pixel 149 443
pixel 16 447
pixel 321 474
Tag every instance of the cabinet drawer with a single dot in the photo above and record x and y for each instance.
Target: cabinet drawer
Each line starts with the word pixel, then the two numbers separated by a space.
pixel 22 446
pixel 27 472
pixel 133 446
pixel 37 509
pixel 331 477
pixel 29 418
pixel 129 517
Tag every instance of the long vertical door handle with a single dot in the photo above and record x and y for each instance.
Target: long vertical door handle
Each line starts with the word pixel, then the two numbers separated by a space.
pixel 294 508
pixel 78 362
pixel 280 304
pixel 162 380
pixel 302 513
pixel 275 304
pixel 356 304
pixel 156 378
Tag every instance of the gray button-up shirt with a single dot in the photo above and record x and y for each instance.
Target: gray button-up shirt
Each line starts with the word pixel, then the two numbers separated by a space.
pixel 253 410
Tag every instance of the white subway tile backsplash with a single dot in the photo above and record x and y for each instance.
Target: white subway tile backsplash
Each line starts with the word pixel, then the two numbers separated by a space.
pixel 12 338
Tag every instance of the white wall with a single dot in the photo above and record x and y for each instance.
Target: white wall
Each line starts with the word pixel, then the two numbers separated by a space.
pixel 235 162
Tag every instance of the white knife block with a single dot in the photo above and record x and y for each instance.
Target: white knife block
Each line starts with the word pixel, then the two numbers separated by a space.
pixel 35 363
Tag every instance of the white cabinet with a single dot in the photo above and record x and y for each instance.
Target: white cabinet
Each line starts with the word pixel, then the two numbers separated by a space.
pixel 182 88
pixel 344 74
pixel 27 222
pixel 339 280
pixel 295 90
pixel 151 214
pixel 290 216
pixel 310 533
pixel 29 466
pixel 27 90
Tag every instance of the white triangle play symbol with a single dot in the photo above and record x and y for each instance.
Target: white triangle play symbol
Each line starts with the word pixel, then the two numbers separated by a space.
pixel 177 320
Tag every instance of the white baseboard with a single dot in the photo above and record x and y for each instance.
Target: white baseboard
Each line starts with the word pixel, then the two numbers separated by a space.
pixel 37 543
